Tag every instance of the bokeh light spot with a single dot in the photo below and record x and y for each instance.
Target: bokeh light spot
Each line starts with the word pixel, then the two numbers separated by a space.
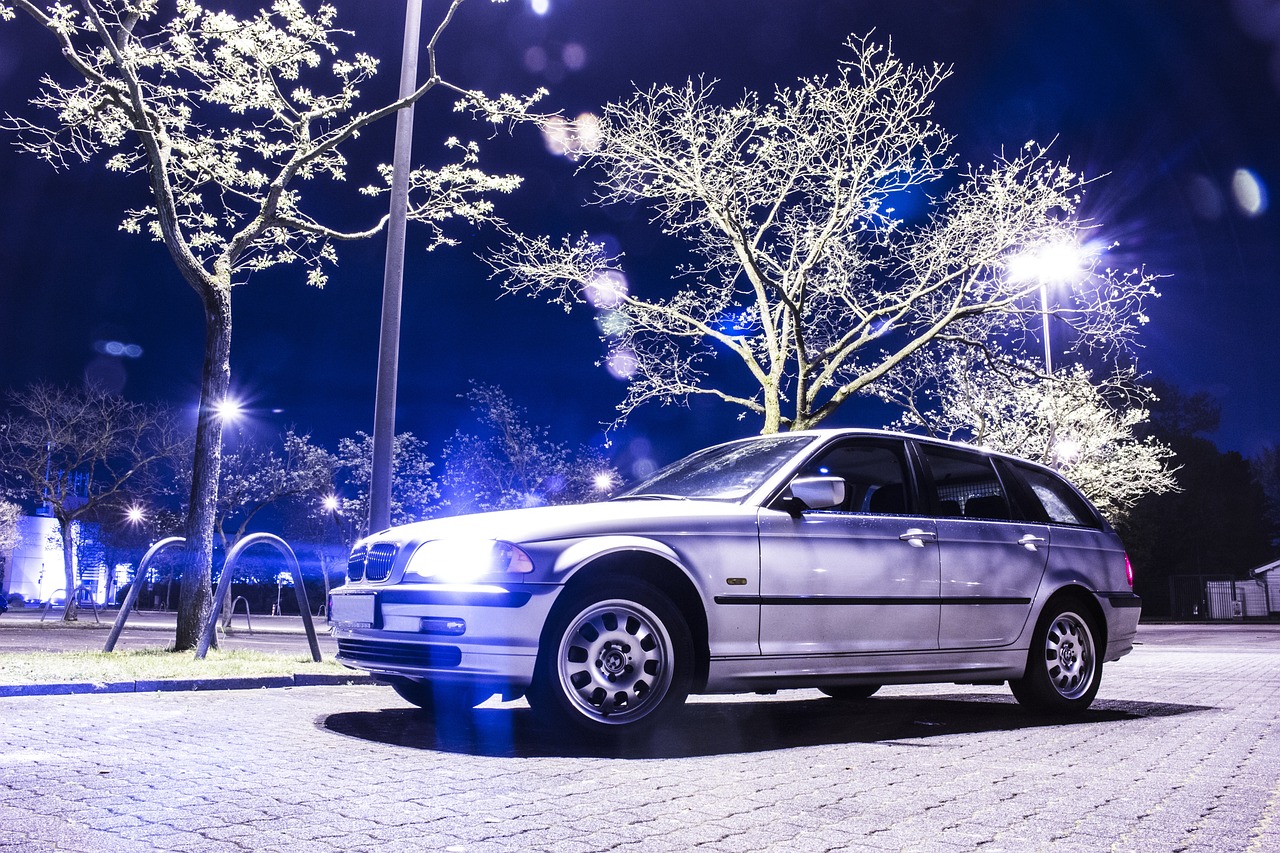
pixel 622 364
pixel 535 60
pixel 612 323
pixel 1206 198
pixel 574 56
pixel 606 290
pixel 574 138
pixel 1249 192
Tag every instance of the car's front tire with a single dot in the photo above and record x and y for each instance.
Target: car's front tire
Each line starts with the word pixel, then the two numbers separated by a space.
pixel 851 692
pixel 614 659
pixel 438 698
pixel 1064 670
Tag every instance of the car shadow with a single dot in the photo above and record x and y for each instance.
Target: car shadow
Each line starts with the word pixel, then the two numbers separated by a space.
pixel 718 728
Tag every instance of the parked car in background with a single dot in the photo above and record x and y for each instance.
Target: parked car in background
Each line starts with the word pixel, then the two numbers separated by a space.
pixel 841 560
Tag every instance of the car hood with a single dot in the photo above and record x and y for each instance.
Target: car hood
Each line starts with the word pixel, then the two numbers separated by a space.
pixel 561 522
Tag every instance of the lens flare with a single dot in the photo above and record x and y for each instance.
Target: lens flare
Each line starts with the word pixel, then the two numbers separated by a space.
pixel 622 364
pixel 1249 192
pixel 571 138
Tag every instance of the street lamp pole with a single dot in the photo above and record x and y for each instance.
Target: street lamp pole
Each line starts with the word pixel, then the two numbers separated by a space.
pixel 384 416
pixel 1044 315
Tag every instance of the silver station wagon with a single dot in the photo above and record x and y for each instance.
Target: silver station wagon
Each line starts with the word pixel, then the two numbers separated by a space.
pixel 841 560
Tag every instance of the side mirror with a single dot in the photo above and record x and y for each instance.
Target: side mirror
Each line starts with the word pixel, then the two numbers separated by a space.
pixel 813 493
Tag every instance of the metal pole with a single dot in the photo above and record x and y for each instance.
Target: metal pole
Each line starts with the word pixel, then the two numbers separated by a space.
pixel 1044 313
pixel 384 414
pixel 138 577
pixel 224 589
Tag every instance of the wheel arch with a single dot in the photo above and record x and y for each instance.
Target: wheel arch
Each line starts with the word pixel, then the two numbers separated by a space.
pixel 1088 602
pixel 660 572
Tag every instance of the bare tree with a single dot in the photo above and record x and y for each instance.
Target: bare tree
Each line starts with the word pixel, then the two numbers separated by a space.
pixel 82 451
pixel 9 535
pixel 229 119
pixel 1088 429
pixel 509 463
pixel 255 477
pixel 1266 469
pixel 803 274
pixel 414 494
pixel 319 527
pixel 10 538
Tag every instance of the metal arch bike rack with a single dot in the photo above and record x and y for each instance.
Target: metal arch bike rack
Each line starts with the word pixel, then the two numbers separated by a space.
pixel 44 608
pixel 224 589
pixel 226 622
pixel 134 588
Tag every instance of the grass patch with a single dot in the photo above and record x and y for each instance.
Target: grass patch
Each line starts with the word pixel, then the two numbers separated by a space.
pixel 154 665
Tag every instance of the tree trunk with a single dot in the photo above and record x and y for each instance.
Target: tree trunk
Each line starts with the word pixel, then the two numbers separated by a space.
pixel 772 411
pixel 195 596
pixel 69 614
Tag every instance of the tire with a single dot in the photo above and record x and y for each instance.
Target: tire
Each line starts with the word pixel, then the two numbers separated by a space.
pixel 612 660
pixel 1064 669
pixel 437 698
pixel 851 692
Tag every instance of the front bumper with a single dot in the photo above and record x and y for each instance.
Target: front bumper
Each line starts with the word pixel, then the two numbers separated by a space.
pixel 480 634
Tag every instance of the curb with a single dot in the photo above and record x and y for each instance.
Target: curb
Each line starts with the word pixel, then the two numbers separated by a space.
pixel 183 684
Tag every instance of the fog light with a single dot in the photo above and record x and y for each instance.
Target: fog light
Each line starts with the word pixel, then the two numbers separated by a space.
pixel 451 627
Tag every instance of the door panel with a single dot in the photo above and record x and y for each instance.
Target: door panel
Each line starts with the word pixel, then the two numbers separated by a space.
pixel 859 577
pixel 992 561
pixel 839 582
pixel 990 573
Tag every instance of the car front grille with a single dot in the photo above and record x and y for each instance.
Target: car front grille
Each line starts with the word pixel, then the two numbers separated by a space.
pixel 374 652
pixel 372 563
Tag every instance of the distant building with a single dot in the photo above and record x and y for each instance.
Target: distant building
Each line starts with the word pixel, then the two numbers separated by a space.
pixel 1234 599
pixel 34 569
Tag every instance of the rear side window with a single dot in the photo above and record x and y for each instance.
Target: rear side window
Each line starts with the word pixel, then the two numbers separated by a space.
pixel 1061 503
pixel 965 484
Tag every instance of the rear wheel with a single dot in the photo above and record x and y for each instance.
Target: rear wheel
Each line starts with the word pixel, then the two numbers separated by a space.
pixel 851 692
pixel 1063 668
pixel 613 660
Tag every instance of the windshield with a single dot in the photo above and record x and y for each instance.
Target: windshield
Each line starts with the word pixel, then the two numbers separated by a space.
pixel 728 472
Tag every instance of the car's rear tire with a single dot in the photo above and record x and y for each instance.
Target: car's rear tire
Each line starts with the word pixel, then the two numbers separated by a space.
pixel 1064 669
pixel 613 660
pixel 851 692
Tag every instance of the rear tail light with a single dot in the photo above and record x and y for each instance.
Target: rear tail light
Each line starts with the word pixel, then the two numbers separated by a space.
pixel 1128 571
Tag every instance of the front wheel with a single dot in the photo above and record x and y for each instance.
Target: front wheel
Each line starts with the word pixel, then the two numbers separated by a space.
pixel 1063 669
pixel 438 698
pixel 613 660
pixel 851 692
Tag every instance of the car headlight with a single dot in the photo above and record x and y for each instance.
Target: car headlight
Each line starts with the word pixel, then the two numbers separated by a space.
pixel 466 560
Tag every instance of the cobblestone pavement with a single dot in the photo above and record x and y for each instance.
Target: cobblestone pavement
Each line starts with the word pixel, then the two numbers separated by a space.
pixel 1180 752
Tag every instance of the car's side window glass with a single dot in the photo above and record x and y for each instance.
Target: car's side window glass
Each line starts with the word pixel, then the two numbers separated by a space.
pixel 1061 504
pixel 874 475
pixel 965 484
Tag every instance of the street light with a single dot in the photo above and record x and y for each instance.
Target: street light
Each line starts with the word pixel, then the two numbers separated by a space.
pixel 228 409
pixel 1056 262
pixel 384 405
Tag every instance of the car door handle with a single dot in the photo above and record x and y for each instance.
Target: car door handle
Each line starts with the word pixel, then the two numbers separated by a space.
pixel 916 538
pixel 1030 541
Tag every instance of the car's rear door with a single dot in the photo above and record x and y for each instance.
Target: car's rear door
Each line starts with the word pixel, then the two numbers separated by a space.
pixel 992 560
pixel 855 578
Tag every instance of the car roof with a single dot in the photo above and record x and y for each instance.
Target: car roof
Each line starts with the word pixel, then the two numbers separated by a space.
pixel 830 433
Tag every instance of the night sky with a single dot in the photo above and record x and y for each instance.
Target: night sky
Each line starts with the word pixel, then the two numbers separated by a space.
pixel 1175 101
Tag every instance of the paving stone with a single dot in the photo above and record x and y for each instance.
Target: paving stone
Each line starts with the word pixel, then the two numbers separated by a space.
pixel 1181 751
